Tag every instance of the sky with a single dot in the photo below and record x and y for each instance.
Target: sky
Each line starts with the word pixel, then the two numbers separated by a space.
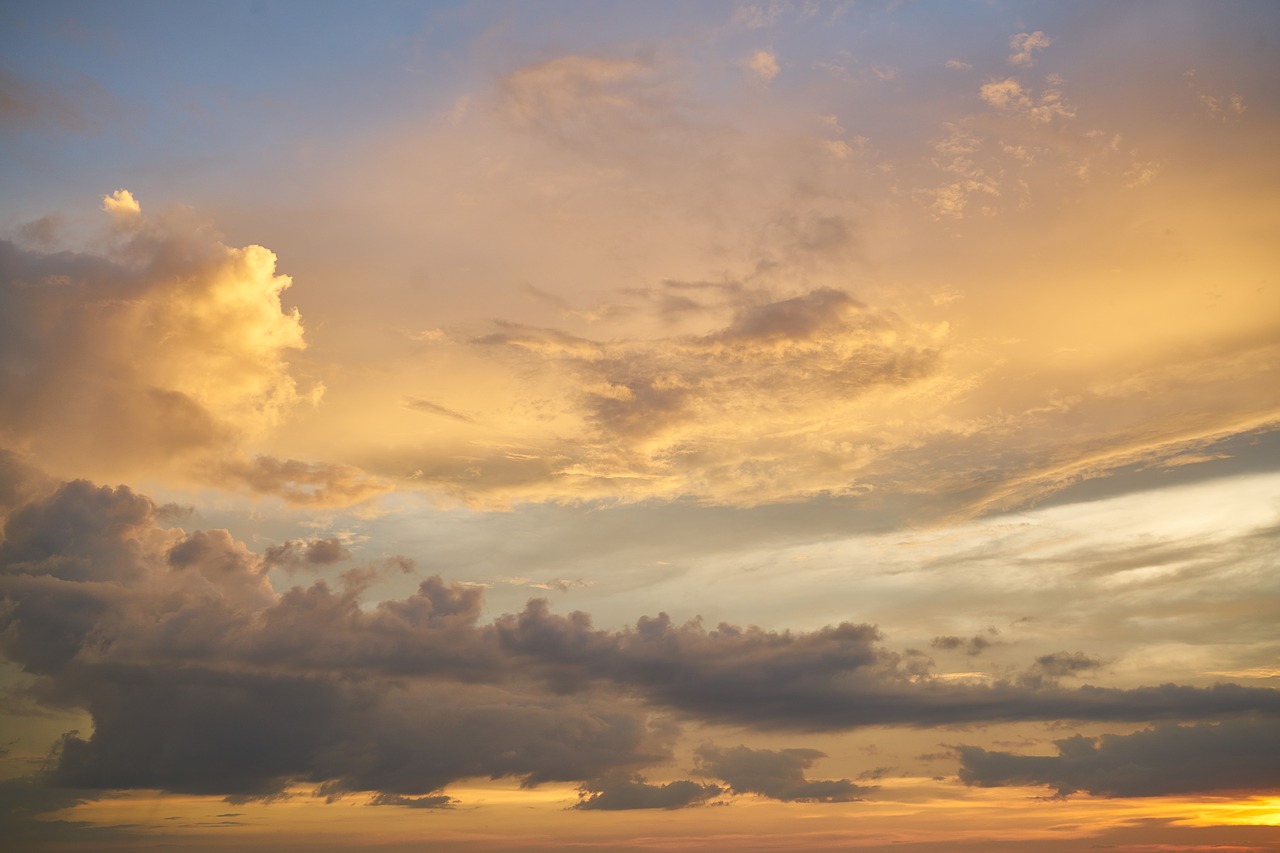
pixel 773 426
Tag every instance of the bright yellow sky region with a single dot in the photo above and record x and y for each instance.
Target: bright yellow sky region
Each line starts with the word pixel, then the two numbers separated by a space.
pixel 782 426
pixel 524 820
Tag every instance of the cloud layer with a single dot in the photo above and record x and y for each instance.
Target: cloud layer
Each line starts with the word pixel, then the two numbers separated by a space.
pixel 200 678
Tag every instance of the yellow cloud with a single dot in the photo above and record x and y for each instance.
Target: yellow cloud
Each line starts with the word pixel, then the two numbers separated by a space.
pixel 169 352
pixel 121 204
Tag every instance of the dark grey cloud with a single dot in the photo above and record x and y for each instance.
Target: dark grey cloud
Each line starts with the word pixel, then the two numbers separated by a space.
pixel 441 801
pixel 776 773
pixel 26 822
pixel 838 677
pixel 20 481
pixel 1067 663
pixel 212 731
pixel 421 405
pixel 1048 669
pixel 972 646
pixel 201 678
pixel 295 554
pixel 626 792
pixel 1206 758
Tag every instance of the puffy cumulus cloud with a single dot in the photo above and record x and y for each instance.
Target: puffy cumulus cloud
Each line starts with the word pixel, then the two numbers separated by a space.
pixel 776 773
pixel 122 206
pixel 1206 758
pixel 295 554
pixel 838 677
pixel 201 678
pixel 1010 96
pixel 166 352
pixel 626 792
pixel 168 349
pixel 1023 46
pixel 763 407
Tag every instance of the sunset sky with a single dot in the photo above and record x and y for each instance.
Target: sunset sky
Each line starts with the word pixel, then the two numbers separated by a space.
pixel 640 426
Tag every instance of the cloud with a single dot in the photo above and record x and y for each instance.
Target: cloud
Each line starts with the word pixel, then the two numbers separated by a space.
pixel 1023 44
pixel 442 801
pixel 296 481
pixel 166 352
pixel 421 405
pixel 777 774
pixel 835 678
pixel 211 731
pixel 763 64
pixel 1008 95
pixel 975 645
pixel 122 206
pixel 597 107
pixel 622 793
pixel 1217 105
pixel 26 822
pixel 296 554
pixel 756 16
pixel 201 678
pixel 1067 663
pixel 753 410
pixel 1206 758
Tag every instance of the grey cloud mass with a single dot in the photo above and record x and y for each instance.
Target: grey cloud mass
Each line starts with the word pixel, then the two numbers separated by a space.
pixel 1206 758
pixel 776 773
pixel 201 678
pixel 296 554
pixel 624 793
